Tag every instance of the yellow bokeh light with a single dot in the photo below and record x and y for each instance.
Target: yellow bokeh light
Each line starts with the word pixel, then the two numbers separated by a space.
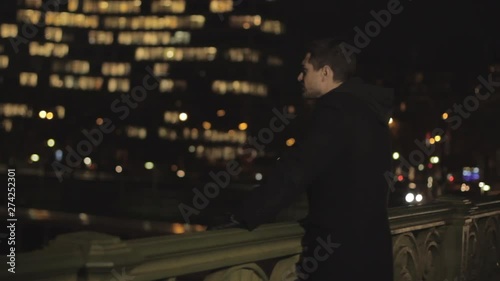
pixel 42 114
pixel 437 138
pixel 50 115
pixel 243 126
pixel 183 116
pixel 290 141
pixel 206 125
pixel 177 228
pixel 87 161
pixel 445 116
pixel 35 157
pixel 149 165
pixel 181 173
pixel 432 140
pixel 395 156
pixel 221 112
pixel 118 169
pixel 51 142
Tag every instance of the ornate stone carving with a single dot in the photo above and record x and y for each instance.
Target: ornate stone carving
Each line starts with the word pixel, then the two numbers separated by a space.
pixel 245 272
pixel 285 270
pixel 406 258
pixel 431 258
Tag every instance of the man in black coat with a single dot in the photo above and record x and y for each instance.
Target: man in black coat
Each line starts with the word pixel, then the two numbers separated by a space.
pixel 341 164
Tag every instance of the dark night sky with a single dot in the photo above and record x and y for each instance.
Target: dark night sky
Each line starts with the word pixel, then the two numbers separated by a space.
pixel 433 35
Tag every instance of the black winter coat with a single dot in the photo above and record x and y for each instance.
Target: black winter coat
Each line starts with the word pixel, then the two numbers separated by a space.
pixel 341 164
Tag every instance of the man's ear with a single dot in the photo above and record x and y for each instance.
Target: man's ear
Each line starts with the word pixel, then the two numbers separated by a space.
pixel 327 71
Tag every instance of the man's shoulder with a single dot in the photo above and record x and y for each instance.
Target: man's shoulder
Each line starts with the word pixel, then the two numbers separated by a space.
pixel 338 100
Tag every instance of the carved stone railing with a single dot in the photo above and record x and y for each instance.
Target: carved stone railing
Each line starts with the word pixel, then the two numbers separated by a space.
pixel 451 240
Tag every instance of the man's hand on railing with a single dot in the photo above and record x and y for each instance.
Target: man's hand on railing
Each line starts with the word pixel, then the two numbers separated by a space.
pixel 227 222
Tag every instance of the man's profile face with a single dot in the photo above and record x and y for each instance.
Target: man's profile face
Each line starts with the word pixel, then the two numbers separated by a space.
pixel 310 79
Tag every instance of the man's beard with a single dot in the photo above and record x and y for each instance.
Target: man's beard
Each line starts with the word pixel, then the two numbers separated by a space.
pixel 308 94
pixel 305 92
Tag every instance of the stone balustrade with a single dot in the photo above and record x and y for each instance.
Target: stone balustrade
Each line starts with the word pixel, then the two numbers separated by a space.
pixel 453 239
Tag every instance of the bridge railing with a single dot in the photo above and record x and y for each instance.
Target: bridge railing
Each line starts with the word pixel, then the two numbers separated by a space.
pixel 453 239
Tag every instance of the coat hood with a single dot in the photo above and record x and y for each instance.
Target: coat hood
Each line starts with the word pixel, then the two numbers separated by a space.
pixel 379 99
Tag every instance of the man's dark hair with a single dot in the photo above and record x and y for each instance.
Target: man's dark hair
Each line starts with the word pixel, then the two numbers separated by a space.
pixel 333 52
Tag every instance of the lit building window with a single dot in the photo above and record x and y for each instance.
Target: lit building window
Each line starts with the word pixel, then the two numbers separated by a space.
pixel 112 7
pixel 32 3
pixel 56 81
pixel 7 125
pixel 274 61
pixel 171 117
pixel 180 37
pixel 15 110
pixel 136 132
pixel 176 54
pixel 61 111
pixel 100 37
pixel 221 6
pixel 229 136
pixel 273 26
pixel 243 54
pixel 244 22
pixel 29 16
pixel 115 68
pixel 239 87
pixel 213 154
pixel 4 62
pixel 28 79
pixel 76 82
pixel 195 134
pixel 232 136
pixel 168 6
pixel 168 85
pixel 74 66
pixel 118 85
pixel 153 38
pixel 71 19
pixel 53 34
pixel 8 30
pixel 155 22
pixel 73 5
pixel 160 69
pixel 143 38
pixel 48 49
pixel 168 134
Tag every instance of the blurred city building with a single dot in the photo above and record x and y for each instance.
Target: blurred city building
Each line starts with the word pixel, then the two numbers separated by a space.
pixel 160 89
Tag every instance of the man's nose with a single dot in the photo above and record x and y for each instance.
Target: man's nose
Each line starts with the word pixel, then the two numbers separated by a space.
pixel 300 77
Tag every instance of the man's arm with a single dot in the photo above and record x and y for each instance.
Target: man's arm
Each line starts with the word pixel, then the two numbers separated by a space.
pixel 295 170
